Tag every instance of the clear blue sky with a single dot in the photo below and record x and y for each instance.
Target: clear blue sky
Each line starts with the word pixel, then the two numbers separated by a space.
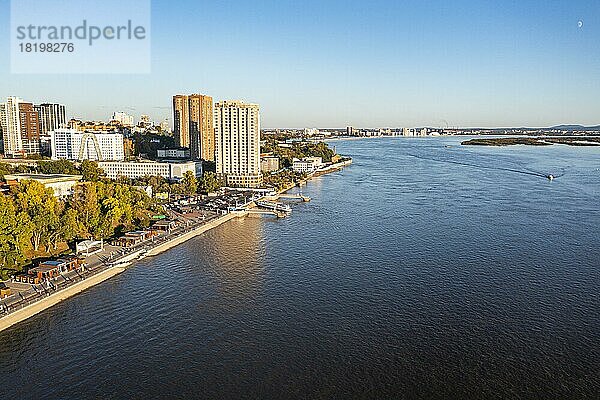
pixel 363 63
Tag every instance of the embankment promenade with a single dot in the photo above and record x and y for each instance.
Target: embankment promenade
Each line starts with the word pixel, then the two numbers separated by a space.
pixel 55 298
pixel 38 304
pixel 118 265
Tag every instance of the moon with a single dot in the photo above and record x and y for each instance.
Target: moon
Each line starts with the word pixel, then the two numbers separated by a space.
pixel 580 24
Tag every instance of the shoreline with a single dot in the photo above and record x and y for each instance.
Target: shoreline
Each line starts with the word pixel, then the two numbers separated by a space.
pixel 55 298
pixel 123 263
pixel 119 266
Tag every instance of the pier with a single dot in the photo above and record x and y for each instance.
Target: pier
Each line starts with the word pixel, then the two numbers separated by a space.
pixel 274 206
pixel 259 212
pixel 298 196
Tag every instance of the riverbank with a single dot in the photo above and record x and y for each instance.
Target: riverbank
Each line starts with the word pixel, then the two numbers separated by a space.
pixel 119 265
pixel 47 302
pixel 116 267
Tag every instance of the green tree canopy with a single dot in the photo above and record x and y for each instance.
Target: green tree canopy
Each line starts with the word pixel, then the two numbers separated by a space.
pixel 90 171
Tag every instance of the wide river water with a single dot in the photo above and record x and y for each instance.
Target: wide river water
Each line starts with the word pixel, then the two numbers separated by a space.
pixel 425 270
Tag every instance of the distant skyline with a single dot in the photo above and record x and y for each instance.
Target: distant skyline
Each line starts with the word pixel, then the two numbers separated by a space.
pixel 330 64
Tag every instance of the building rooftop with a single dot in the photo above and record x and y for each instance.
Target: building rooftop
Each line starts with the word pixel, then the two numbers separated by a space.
pixel 44 178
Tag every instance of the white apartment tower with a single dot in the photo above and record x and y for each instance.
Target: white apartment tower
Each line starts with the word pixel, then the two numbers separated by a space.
pixel 71 144
pixel 11 127
pixel 237 138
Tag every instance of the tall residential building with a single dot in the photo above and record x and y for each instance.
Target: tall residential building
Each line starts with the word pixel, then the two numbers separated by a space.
pixel 20 127
pixel 122 118
pixel 72 144
pixel 11 127
pixel 30 128
pixel 237 132
pixel 193 125
pixel 52 116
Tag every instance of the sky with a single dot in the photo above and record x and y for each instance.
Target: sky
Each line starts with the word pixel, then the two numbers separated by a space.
pixel 331 64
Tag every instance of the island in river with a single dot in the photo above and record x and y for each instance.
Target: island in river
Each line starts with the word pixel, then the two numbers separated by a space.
pixel 536 141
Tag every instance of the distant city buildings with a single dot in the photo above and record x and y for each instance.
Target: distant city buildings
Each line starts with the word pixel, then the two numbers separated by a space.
pixel 122 118
pixel 193 125
pixel 138 169
pixel 237 131
pixel 72 144
pixel 164 126
pixel 145 121
pixel 311 132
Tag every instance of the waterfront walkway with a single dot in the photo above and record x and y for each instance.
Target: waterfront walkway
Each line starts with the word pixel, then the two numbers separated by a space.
pixel 112 258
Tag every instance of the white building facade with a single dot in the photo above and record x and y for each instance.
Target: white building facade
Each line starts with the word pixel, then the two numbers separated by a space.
pixel 237 138
pixel 132 170
pixel 71 144
pixel 307 164
pixel 11 126
pixel 123 118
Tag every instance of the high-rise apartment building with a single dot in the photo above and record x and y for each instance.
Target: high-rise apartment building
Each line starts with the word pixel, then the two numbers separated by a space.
pixel 52 116
pixel 72 144
pixel 30 128
pixel 237 132
pixel 11 127
pixel 20 127
pixel 193 125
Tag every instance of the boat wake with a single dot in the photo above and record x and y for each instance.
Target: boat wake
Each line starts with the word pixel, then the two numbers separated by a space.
pixel 479 166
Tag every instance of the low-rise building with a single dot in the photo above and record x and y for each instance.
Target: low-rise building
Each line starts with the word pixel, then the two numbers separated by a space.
pixel 269 163
pixel 307 164
pixel 136 169
pixel 178 153
pixel 51 269
pixel 62 185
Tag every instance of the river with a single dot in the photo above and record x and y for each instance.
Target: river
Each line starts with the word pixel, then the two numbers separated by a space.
pixel 424 270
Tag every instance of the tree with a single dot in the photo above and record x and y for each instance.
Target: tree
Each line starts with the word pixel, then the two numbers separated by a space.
pixel 39 203
pixel 15 228
pixel 189 183
pixel 57 167
pixel 209 182
pixel 87 208
pixel 90 171
pixel 5 169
